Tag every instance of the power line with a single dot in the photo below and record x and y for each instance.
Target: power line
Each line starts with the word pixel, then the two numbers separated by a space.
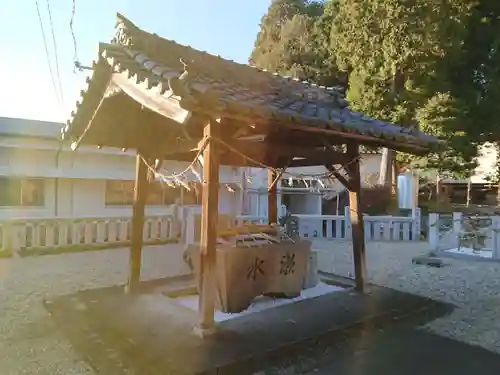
pixel 76 61
pixel 47 52
pixel 55 52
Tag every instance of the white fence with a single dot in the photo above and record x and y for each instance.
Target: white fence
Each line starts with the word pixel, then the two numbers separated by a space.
pixel 456 233
pixel 52 233
pixel 37 235
pixel 338 227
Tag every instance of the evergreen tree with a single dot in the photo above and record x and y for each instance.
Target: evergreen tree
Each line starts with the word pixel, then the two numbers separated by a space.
pixel 396 54
pixel 265 53
pixel 291 43
pixel 419 63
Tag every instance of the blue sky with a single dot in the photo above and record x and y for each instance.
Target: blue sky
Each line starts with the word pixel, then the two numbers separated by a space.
pixel 224 27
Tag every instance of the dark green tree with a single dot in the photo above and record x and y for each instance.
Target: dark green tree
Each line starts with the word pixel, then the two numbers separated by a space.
pixel 420 63
pixel 291 42
pixel 269 39
pixel 475 75
pixel 396 54
pixel 443 116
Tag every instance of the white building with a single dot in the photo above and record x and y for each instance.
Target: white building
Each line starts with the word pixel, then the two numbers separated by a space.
pixel 84 198
pixel 41 178
pixel 303 196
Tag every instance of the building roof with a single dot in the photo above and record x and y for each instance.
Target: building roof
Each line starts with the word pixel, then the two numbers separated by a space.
pixel 176 81
pixel 10 126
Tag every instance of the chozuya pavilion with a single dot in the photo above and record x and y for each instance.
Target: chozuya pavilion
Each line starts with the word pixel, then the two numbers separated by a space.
pixel 172 102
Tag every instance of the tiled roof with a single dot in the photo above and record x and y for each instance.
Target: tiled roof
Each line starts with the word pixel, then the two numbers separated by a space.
pixel 234 90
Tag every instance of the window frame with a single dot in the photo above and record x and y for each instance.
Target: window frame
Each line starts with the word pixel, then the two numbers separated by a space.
pixel 22 185
pixel 164 192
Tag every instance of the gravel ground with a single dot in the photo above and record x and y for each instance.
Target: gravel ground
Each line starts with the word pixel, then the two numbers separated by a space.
pixel 474 287
pixel 31 344
pixel 29 341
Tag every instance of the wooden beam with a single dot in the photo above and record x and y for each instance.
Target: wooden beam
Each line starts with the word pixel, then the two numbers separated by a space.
pixel 356 216
pixel 325 159
pixel 266 149
pixel 209 221
pixel 140 196
pixel 224 159
pixel 363 139
pixel 272 197
pixel 285 151
pixel 343 180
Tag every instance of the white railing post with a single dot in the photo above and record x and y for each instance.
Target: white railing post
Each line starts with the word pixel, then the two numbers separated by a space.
pixel 377 228
pixel 495 237
pixel 50 238
pixel 189 229
pixel 9 237
pixel 457 228
pixel 417 223
pixel 387 230
pixel 347 218
pixel 433 232
pixel 63 233
pixel 100 231
pixel 50 233
pixel 88 232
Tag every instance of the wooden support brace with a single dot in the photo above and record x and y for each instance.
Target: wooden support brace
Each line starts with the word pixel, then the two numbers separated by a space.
pixel 356 214
pixel 278 176
pixel 332 153
pixel 344 181
pixel 209 220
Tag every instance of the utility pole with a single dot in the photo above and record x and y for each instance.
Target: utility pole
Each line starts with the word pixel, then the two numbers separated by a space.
pixel 469 188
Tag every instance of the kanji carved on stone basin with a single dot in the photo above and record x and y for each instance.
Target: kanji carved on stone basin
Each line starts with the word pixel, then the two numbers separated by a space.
pixel 245 272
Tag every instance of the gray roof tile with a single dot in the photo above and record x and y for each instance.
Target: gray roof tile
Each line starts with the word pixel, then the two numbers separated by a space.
pixel 235 88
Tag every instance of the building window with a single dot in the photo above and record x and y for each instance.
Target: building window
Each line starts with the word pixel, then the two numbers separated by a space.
pixel 28 192
pixel 162 194
pixel 193 195
pixel 121 193
pixel 299 183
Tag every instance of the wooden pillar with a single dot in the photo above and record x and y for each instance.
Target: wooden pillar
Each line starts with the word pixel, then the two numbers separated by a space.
pixel 209 220
pixel 356 215
pixel 140 195
pixel 272 197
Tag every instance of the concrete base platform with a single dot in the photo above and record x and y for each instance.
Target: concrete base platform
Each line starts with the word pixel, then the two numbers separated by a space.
pixel 147 334
pixel 403 350
pixel 469 254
